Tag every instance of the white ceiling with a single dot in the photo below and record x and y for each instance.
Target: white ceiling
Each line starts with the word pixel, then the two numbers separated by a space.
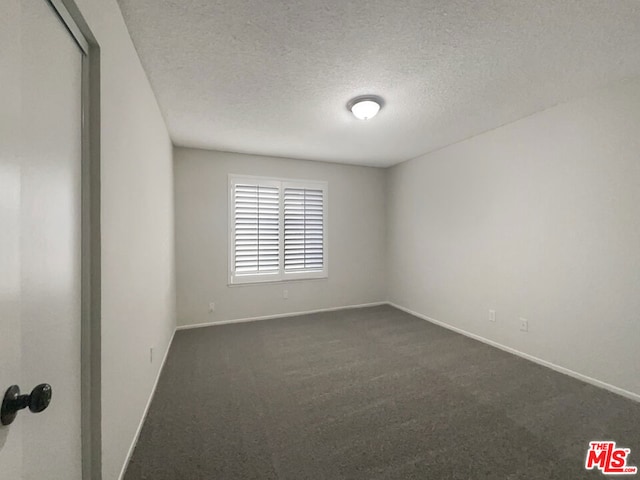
pixel 273 77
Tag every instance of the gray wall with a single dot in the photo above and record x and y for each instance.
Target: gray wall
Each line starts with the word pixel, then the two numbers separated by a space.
pixel 356 238
pixel 537 219
pixel 138 292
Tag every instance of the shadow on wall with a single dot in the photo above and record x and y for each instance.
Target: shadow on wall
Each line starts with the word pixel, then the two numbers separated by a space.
pixel 4 434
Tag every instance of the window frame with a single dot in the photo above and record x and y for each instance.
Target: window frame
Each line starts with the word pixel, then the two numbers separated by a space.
pixel 279 276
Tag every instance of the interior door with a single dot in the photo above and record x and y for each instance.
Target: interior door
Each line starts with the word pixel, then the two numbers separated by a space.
pixel 40 239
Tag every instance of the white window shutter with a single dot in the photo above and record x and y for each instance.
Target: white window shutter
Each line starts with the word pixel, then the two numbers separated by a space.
pixel 256 229
pixel 303 229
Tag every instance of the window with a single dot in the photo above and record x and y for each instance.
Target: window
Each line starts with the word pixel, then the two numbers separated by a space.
pixel 277 229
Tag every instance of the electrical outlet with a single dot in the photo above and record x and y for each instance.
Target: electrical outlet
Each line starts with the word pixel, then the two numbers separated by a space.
pixel 524 324
pixel 492 315
pixel 150 354
pixel 212 307
pixel 285 294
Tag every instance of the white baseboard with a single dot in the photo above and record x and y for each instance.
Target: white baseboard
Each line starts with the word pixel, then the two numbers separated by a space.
pixel 539 361
pixel 146 410
pixel 278 315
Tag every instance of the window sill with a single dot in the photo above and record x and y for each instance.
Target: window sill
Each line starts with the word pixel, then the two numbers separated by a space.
pixel 277 281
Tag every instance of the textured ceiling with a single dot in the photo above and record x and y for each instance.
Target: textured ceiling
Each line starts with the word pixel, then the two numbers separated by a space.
pixel 272 77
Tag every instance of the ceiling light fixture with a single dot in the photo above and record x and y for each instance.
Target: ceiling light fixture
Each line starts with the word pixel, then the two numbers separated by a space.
pixel 365 107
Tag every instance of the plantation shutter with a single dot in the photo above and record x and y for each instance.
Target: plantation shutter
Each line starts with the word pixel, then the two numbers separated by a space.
pixel 256 229
pixel 303 229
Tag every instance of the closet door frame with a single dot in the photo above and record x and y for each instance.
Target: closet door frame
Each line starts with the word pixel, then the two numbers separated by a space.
pixel 91 420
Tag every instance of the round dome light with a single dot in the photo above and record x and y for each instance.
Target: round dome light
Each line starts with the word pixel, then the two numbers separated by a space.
pixel 365 108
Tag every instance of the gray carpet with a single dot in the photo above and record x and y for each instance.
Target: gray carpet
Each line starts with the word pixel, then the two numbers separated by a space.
pixel 367 394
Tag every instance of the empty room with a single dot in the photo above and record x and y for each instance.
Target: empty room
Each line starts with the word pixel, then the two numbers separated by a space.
pixel 321 240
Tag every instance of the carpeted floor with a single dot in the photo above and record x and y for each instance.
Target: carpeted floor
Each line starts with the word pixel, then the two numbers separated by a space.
pixel 367 394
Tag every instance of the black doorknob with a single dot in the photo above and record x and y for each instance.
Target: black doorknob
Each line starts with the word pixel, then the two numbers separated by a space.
pixel 37 401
